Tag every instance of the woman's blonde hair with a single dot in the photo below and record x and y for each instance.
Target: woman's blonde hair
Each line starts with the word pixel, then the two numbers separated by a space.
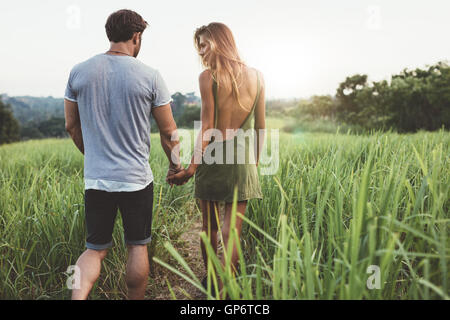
pixel 223 60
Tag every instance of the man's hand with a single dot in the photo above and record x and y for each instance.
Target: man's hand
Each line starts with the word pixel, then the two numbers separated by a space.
pixel 180 177
pixel 171 172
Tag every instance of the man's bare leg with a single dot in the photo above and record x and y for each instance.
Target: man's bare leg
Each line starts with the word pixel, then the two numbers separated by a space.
pixel 137 271
pixel 89 263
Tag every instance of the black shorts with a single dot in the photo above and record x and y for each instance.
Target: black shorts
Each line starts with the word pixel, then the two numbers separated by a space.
pixel 101 209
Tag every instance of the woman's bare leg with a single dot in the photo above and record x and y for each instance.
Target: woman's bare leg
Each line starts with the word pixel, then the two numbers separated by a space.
pixel 241 206
pixel 209 226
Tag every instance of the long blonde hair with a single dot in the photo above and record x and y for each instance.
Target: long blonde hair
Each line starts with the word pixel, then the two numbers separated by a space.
pixel 223 61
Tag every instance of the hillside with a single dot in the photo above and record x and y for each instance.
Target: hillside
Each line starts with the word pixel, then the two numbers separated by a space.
pixel 41 117
pixel 38 109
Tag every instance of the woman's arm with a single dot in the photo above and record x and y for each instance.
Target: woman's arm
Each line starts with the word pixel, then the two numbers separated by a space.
pixel 260 118
pixel 207 120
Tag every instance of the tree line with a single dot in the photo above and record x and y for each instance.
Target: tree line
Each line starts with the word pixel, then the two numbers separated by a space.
pixel 9 126
pixel 412 100
pixel 23 118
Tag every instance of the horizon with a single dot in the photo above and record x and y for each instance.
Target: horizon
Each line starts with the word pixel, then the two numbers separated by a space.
pixel 303 49
pixel 285 99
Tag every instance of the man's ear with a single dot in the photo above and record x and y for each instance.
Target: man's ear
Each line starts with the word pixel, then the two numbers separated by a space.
pixel 135 37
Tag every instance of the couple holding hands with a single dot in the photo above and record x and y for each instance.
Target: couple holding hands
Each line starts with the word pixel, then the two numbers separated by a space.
pixel 108 102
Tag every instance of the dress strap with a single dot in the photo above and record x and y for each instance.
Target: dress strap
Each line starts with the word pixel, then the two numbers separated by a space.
pixel 258 91
pixel 215 102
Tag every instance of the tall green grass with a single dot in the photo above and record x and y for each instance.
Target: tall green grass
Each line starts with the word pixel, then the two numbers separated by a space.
pixel 42 225
pixel 338 204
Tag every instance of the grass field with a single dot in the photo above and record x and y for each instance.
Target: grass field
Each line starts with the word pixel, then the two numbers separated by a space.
pixel 337 205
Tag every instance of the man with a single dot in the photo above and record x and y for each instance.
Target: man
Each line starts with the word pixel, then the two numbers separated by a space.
pixel 108 102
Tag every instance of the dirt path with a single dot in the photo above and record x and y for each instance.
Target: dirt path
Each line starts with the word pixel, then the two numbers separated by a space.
pixel 188 246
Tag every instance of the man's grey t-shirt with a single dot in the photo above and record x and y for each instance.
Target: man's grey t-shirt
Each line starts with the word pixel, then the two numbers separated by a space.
pixel 115 95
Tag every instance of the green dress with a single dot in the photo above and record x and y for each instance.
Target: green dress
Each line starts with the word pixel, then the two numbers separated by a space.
pixel 216 180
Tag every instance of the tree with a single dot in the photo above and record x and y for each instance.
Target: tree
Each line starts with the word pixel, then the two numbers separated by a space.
pixel 420 99
pixel 413 100
pixel 178 103
pixel 316 107
pixel 9 127
pixel 190 114
pixel 54 127
pixel 346 93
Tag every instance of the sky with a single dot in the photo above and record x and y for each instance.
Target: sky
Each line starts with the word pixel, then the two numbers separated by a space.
pixel 303 48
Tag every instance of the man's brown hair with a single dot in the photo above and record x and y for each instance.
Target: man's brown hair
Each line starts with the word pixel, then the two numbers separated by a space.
pixel 122 24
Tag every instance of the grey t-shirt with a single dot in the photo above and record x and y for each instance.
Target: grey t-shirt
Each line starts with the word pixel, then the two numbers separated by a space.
pixel 115 95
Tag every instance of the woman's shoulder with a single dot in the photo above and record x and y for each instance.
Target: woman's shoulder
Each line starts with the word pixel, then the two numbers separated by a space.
pixel 205 80
pixel 205 76
pixel 257 73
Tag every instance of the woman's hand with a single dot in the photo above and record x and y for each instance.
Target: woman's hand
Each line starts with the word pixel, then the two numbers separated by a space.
pixel 181 177
pixel 172 171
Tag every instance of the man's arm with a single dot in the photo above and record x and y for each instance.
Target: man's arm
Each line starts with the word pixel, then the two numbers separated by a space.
pixel 168 129
pixel 73 123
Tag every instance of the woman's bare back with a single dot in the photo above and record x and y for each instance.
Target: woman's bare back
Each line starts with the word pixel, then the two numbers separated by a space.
pixel 230 114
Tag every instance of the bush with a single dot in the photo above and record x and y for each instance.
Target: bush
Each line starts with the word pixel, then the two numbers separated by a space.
pixel 190 114
pixel 9 126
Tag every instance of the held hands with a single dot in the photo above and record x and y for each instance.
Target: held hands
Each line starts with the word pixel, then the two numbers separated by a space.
pixel 179 176
pixel 172 171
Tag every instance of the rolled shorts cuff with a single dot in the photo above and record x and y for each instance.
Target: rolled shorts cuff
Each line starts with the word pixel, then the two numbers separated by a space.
pixel 138 242
pixel 98 246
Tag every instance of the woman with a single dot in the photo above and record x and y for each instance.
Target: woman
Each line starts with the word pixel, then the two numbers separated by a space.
pixel 232 93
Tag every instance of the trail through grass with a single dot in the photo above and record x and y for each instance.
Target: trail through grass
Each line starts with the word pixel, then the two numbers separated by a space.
pixel 337 205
